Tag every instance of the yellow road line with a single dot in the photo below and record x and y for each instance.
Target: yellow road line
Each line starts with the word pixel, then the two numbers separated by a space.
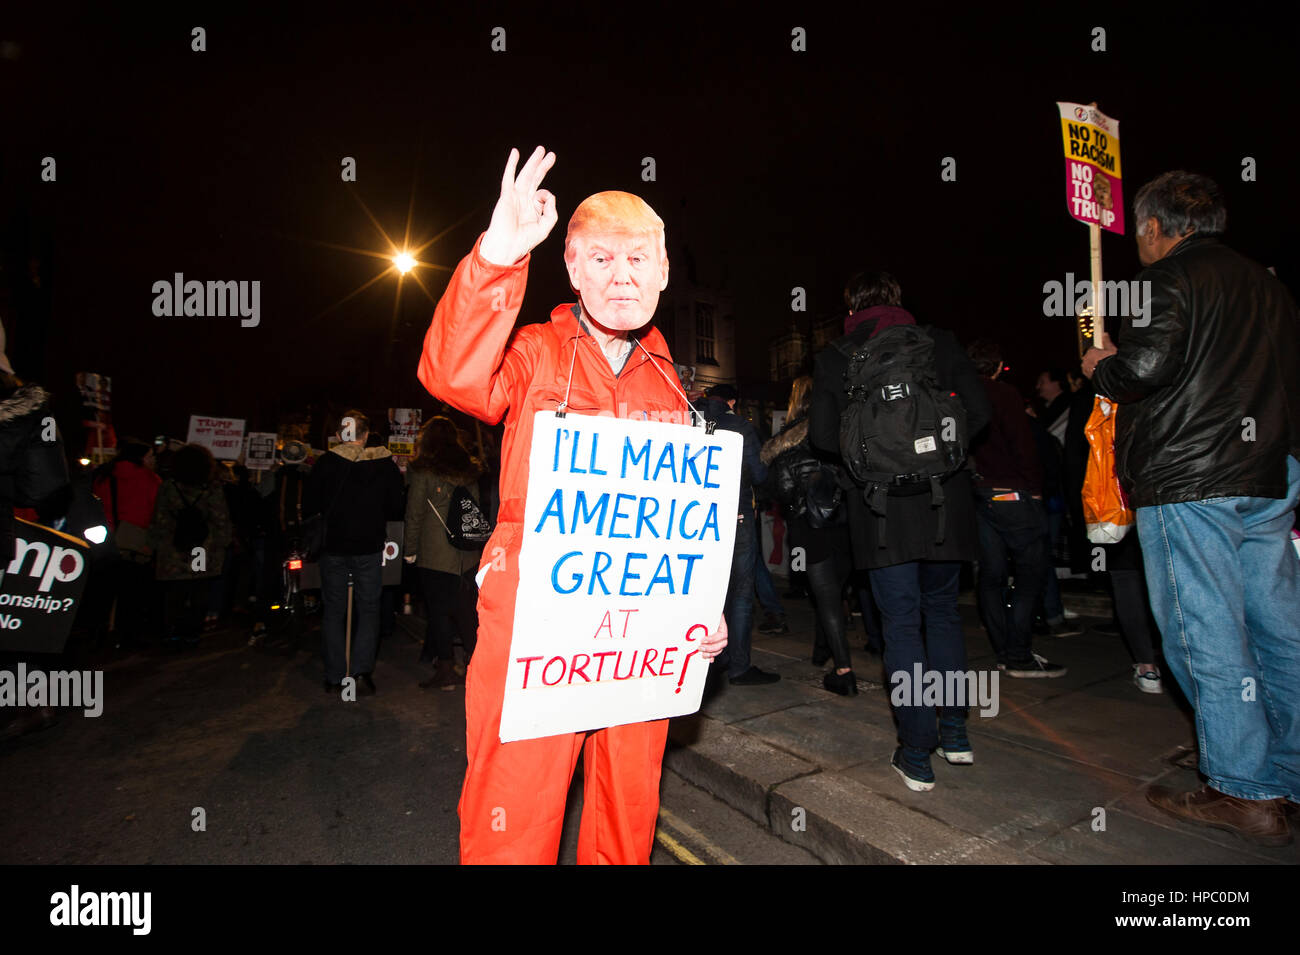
pixel 676 848
pixel 720 855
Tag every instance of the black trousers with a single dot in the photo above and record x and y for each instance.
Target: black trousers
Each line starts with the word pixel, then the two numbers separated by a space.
pixel 1128 584
pixel 136 602
pixel 185 603
pixel 826 580
pixel 451 605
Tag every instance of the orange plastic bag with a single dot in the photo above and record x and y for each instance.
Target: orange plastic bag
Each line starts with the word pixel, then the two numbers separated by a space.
pixel 1105 506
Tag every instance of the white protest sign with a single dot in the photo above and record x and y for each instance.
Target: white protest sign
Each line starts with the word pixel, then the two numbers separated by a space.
pixel 224 437
pixel 260 455
pixel 623 569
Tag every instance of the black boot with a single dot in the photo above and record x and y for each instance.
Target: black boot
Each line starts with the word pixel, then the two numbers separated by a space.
pixel 845 684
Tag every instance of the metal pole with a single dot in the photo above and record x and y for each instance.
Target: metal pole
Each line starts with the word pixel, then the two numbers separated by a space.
pixel 347 653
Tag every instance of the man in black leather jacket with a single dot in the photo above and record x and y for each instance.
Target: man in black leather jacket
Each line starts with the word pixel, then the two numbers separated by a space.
pixel 1207 441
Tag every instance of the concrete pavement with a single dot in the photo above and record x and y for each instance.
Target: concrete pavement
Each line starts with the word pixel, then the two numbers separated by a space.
pixel 1059 773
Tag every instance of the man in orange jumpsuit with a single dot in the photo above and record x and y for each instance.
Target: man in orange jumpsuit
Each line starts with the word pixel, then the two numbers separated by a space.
pixel 585 360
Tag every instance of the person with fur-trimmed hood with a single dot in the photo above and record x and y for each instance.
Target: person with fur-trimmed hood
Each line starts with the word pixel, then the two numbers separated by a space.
pixel 358 490
pixel 32 464
pixel 33 473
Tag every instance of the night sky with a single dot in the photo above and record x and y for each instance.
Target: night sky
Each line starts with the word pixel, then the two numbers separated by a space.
pixel 774 169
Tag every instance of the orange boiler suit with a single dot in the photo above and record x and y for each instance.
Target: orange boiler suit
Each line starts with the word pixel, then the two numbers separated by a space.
pixel 512 802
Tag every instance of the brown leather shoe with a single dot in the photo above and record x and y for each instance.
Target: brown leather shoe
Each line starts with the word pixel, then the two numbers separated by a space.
pixel 1260 821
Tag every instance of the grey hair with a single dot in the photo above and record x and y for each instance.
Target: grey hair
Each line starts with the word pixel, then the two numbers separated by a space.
pixel 1182 203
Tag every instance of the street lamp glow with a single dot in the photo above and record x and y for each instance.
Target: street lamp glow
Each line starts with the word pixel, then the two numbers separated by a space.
pixel 404 262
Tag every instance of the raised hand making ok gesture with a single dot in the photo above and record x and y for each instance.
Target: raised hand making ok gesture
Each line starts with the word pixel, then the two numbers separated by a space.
pixel 524 215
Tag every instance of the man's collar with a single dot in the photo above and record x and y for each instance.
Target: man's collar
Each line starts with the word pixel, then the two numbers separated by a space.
pixel 1196 238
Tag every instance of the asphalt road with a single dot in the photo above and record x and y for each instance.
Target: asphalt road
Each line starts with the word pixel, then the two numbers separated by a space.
pixel 282 771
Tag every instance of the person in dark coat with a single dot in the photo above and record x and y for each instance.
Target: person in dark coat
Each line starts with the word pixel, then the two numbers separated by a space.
pixel 824 549
pixel 358 490
pixel 1075 469
pixel 914 574
pixel 128 487
pixel 189 503
pixel 33 474
pixel 739 608
pixel 446 573
pixel 32 466
pixel 247 521
pixel 1010 486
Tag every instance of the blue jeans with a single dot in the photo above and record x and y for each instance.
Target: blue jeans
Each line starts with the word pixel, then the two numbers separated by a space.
pixel 905 593
pixel 367 582
pixel 1018 529
pixel 739 609
pixel 1224 582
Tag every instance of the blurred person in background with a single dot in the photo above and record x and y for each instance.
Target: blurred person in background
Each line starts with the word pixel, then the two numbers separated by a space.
pixel 357 489
pixel 33 469
pixel 247 518
pixel 1011 521
pixel 129 487
pixel 824 548
pixel 446 573
pixel 189 534
pixel 720 407
pixel 33 474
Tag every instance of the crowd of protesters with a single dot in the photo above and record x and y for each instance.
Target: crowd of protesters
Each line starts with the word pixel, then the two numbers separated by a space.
pixel 1206 451
pixel 198 545
pixel 1210 559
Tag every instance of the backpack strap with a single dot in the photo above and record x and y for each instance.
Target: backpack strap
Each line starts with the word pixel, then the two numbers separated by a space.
pixel 936 501
pixel 876 495
pixel 439 516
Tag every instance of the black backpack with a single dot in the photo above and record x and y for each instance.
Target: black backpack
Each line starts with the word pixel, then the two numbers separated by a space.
pixel 467 526
pixel 191 526
pixel 900 430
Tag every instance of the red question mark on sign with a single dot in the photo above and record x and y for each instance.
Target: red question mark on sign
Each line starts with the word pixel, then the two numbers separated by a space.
pixel 687 659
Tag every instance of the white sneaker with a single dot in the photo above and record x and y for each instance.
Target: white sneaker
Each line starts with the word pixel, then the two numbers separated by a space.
pixel 1148 682
pixel 1069 614
pixel 957 757
pixel 1040 659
